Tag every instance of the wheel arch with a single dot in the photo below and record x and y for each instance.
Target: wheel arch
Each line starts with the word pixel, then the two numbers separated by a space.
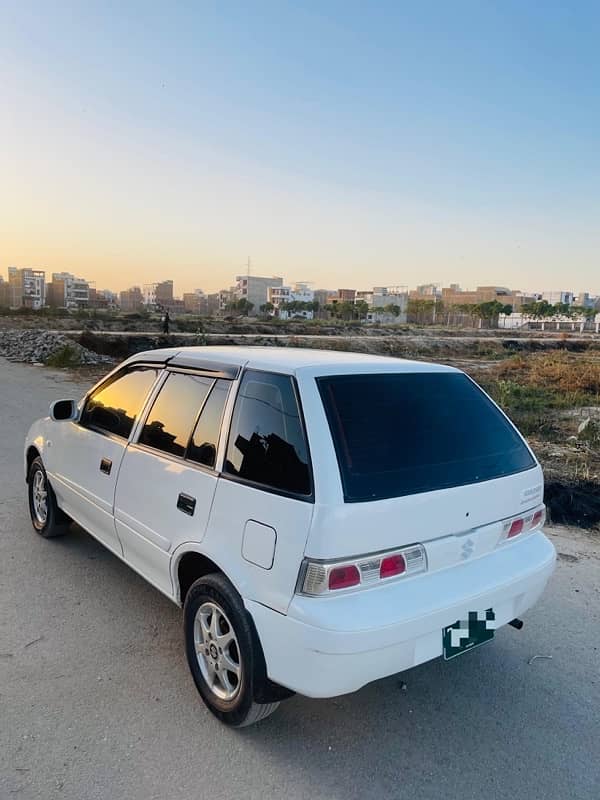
pixel 189 565
pixel 31 454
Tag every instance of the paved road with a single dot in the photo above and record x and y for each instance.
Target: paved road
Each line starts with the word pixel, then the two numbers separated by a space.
pixel 96 700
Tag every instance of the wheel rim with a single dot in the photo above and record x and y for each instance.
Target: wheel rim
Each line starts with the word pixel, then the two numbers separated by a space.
pixel 40 497
pixel 217 651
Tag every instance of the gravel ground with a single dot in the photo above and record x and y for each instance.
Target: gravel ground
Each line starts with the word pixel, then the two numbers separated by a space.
pixel 96 700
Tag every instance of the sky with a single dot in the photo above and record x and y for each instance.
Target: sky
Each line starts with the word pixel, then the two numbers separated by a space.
pixel 349 144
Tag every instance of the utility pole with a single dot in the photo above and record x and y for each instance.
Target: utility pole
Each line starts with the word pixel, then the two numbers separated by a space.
pixel 248 267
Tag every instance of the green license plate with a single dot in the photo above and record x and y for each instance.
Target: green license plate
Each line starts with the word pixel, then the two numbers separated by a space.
pixel 469 633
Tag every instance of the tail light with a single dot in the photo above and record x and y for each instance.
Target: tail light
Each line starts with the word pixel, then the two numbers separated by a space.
pixel 325 577
pixel 524 523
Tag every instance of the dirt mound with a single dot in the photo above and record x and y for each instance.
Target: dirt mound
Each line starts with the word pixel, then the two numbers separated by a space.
pixel 573 503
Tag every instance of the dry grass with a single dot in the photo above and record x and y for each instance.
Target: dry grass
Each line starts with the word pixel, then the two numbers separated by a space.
pixel 569 374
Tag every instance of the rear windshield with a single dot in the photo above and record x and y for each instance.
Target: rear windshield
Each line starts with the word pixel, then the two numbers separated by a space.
pixel 405 433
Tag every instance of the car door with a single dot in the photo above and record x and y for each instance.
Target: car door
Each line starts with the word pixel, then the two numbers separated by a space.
pixel 167 479
pixel 86 454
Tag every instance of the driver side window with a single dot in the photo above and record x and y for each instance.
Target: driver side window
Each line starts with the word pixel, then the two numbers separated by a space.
pixel 114 406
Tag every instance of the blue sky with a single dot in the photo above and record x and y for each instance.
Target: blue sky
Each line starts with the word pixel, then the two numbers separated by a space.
pixel 348 144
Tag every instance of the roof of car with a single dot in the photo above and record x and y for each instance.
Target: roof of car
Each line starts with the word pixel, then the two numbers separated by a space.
pixel 283 359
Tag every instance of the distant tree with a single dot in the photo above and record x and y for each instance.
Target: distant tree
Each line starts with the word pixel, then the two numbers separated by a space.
pixel 539 309
pixel 361 309
pixel 243 306
pixel 267 308
pixel 421 310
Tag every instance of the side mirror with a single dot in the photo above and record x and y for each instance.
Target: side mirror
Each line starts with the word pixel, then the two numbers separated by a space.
pixel 63 410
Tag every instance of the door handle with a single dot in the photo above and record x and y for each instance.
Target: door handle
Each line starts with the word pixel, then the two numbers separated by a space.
pixel 186 504
pixel 106 466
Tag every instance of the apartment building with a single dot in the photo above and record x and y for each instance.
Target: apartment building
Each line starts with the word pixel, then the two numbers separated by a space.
pixel 255 289
pixel 158 295
pixel 131 299
pixel 67 291
pixel 280 296
pixel 26 288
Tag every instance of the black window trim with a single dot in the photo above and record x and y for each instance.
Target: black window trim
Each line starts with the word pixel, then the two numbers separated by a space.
pixel 307 498
pixel 112 377
pixel 149 404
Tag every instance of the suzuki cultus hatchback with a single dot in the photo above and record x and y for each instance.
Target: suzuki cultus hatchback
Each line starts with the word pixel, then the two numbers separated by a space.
pixel 325 519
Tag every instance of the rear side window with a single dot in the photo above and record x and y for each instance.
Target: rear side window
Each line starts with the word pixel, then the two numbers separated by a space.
pixel 114 406
pixel 405 433
pixel 205 439
pixel 169 424
pixel 267 444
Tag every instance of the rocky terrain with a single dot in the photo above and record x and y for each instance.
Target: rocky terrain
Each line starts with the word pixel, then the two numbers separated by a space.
pixel 47 347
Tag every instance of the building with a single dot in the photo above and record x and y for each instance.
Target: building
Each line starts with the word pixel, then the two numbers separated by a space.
pixel 554 298
pixel 255 289
pixel 158 295
pixel 67 291
pixel 26 288
pixel 383 296
pixel 586 300
pixel 427 291
pixel 280 296
pixel 103 298
pixel 212 303
pixel 345 296
pixel 195 302
pixel 4 293
pixel 131 299
pixel 323 297
pixel 226 297
pixel 453 296
pixel 191 303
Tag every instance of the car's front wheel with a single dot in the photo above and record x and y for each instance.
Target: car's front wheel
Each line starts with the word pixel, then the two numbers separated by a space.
pixel 46 517
pixel 223 652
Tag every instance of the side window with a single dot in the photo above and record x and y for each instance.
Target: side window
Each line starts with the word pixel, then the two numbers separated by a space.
pixel 205 439
pixel 172 416
pixel 267 444
pixel 114 406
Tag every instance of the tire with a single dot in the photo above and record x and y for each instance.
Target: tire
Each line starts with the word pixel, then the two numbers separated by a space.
pixel 219 633
pixel 51 521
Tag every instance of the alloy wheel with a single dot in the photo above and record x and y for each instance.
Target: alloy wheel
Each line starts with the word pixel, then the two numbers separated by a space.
pixel 217 651
pixel 40 497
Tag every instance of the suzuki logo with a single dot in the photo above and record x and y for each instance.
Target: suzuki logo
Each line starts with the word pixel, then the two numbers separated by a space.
pixel 467 549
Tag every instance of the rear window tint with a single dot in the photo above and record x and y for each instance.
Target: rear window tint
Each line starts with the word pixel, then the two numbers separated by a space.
pixel 405 433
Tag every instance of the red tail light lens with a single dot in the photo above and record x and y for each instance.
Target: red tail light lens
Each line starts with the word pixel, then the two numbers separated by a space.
pixel 516 528
pixel 537 518
pixel 317 578
pixel 343 577
pixel 392 565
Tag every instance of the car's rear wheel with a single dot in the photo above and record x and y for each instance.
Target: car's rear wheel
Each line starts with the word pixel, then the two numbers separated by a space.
pixel 47 518
pixel 224 654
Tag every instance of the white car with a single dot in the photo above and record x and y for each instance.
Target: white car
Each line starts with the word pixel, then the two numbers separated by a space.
pixel 325 519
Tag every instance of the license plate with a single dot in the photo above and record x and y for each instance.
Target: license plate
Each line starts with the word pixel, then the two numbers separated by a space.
pixel 466 634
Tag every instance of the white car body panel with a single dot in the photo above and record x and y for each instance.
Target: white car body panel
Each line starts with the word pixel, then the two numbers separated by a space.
pixel 82 490
pixel 320 646
pixel 148 522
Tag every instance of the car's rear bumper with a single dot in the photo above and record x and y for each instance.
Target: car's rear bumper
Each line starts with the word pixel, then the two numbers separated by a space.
pixel 333 645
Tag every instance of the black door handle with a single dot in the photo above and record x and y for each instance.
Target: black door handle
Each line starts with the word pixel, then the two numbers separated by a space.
pixel 106 466
pixel 186 504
